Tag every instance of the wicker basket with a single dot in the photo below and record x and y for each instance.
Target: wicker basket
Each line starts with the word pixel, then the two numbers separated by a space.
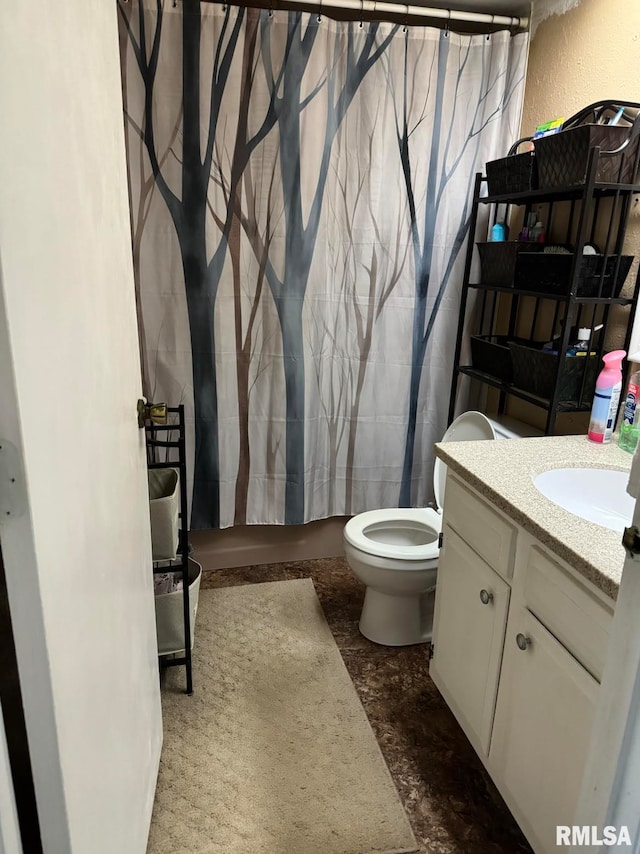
pixel 550 273
pixel 563 157
pixel 498 260
pixel 517 173
pixel 491 354
pixel 535 371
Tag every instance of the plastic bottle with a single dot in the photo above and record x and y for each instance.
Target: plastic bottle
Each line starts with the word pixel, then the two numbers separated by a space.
pixel 581 344
pixel 630 428
pixel 499 232
pixel 537 233
pixel 606 397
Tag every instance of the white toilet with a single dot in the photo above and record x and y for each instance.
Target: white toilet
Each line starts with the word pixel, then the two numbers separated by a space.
pixel 394 552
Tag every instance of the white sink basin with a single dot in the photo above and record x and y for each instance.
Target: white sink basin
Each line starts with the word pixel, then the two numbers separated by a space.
pixel 597 495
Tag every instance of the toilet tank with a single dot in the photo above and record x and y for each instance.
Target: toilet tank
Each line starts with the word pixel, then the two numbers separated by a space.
pixel 511 428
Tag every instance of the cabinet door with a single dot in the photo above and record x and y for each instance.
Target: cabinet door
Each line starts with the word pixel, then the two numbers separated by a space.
pixel 469 623
pixel 542 727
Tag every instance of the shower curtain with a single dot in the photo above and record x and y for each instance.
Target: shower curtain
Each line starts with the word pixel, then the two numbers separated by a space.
pixel 300 196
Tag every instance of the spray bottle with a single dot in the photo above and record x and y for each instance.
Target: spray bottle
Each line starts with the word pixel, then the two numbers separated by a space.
pixel 606 397
pixel 630 426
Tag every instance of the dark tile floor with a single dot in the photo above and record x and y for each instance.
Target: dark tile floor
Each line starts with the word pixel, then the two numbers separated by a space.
pixel 451 803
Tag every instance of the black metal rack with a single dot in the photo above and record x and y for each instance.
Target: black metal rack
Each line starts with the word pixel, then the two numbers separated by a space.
pixel 175 457
pixel 586 213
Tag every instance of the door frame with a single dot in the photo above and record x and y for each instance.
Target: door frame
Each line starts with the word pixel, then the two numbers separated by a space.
pixel 15 728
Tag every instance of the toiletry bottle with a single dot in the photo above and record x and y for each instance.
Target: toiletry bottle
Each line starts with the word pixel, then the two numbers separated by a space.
pixel 499 232
pixel 606 397
pixel 630 426
pixel 581 344
pixel 537 233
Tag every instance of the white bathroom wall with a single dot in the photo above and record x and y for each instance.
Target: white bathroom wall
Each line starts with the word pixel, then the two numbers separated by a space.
pixel 78 562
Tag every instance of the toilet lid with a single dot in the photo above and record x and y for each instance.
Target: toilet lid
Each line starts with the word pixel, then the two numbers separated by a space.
pixel 467 427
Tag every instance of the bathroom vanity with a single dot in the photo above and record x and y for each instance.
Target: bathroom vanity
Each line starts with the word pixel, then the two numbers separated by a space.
pixel 524 603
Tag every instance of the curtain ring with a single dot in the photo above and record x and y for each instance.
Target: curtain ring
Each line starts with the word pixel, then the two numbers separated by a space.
pixel 446 29
pixel 490 33
pixel 319 18
pixel 406 19
pixel 270 10
pixel 361 13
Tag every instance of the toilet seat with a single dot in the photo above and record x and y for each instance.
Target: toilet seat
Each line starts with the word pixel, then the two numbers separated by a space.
pixel 381 532
pixel 411 534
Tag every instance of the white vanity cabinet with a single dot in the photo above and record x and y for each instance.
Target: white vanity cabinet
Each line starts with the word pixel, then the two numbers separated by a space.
pixel 518 653
pixel 469 623
pixel 541 731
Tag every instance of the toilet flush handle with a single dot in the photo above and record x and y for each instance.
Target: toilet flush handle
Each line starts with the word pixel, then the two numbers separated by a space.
pixel 486 597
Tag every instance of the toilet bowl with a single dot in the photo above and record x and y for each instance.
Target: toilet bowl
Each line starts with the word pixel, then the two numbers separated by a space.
pixel 394 552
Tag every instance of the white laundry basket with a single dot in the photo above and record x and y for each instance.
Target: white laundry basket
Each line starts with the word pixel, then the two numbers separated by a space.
pixel 170 611
pixel 164 505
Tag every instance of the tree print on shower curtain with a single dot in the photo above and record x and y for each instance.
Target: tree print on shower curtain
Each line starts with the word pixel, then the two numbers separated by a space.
pixel 448 94
pixel 347 68
pixel 285 173
pixel 189 208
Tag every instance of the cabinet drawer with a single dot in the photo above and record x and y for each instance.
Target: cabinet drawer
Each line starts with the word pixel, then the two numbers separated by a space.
pixel 579 620
pixel 481 527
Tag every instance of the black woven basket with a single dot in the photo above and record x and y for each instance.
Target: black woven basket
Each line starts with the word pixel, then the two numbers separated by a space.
pixel 534 371
pixel 515 174
pixel 491 354
pixel 563 157
pixel 550 273
pixel 498 260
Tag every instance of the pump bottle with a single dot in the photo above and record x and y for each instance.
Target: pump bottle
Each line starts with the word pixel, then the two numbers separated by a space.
pixel 606 397
pixel 630 426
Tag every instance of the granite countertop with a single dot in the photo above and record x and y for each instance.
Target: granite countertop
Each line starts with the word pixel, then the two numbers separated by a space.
pixel 503 472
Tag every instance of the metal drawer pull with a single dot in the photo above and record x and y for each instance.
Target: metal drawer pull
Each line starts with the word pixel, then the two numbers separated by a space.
pixel 486 597
pixel 523 641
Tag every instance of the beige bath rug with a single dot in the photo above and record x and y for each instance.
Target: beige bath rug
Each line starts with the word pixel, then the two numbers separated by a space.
pixel 273 753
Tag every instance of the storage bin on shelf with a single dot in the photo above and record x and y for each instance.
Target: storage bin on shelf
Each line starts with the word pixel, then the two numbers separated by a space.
pixel 164 509
pixel 549 273
pixel 563 157
pixel 515 173
pixel 491 354
pixel 498 260
pixel 170 612
pixel 534 371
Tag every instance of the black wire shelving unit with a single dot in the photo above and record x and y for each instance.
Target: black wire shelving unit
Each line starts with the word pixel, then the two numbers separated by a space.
pixel 168 440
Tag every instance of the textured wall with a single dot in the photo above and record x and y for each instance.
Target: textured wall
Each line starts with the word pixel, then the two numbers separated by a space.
pixel 590 53
pixel 543 9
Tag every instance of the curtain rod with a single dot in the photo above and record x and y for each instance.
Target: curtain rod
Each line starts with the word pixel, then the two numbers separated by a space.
pixel 374 7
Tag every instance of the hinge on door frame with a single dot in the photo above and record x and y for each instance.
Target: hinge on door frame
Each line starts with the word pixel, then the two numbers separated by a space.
pixel 432 649
pixel 440 539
